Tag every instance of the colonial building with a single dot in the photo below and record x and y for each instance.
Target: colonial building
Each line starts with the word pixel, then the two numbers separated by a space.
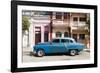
pixel 79 27
pixel 60 24
pixel 70 25
pixel 39 30
pixel 48 25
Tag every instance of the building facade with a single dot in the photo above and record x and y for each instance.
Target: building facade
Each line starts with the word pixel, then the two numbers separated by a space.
pixel 39 30
pixel 71 25
pixel 79 28
pixel 48 25
pixel 60 24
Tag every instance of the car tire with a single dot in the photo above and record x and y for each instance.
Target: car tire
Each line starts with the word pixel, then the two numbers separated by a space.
pixel 40 53
pixel 73 52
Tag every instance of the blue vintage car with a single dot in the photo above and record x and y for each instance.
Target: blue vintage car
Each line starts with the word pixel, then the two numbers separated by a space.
pixel 58 45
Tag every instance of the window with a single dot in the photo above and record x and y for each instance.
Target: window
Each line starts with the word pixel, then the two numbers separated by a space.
pixel 75 19
pixel 45 36
pixel 46 33
pixel 48 13
pixel 82 36
pixel 58 34
pixel 65 15
pixel 65 34
pixel 64 40
pixel 82 19
pixel 58 15
pixel 56 41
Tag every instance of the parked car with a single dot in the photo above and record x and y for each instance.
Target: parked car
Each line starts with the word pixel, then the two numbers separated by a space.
pixel 58 45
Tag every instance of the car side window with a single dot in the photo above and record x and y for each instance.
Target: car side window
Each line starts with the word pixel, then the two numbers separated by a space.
pixel 64 40
pixel 56 41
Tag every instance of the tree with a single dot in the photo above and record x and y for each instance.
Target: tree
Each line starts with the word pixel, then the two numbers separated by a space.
pixel 25 23
pixel 25 27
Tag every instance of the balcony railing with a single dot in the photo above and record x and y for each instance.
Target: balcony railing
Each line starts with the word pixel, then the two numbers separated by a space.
pixel 41 17
pixel 60 23
pixel 80 24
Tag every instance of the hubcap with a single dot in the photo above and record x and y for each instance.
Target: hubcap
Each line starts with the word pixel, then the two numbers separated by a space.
pixel 73 52
pixel 40 53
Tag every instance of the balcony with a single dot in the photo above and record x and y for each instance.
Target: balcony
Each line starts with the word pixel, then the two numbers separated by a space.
pixel 60 23
pixel 41 19
pixel 79 25
pixel 46 17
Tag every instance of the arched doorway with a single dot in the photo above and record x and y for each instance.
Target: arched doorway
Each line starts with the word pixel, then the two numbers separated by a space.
pixel 58 34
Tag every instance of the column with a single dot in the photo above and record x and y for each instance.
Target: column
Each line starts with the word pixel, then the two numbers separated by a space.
pixel 31 36
pixel 62 35
pixel 42 33
pixel 53 35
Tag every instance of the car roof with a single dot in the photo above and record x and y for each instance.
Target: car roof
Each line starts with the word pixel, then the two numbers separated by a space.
pixel 64 38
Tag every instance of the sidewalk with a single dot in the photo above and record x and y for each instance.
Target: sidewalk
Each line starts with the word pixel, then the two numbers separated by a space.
pixel 27 49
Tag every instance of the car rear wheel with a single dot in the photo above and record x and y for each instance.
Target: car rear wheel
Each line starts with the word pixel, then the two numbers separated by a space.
pixel 40 53
pixel 73 52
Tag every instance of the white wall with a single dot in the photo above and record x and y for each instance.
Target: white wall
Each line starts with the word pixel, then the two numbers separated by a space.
pixel 5 32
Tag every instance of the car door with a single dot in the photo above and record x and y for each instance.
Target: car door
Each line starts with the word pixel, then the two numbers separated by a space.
pixel 55 46
pixel 63 45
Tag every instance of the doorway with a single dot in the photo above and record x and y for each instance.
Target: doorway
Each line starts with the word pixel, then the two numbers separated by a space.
pixel 37 35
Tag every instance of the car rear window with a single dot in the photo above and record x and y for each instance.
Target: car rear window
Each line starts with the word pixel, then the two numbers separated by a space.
pixel 56 41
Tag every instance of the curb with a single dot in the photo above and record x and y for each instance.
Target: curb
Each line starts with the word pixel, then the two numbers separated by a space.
pixel 87 50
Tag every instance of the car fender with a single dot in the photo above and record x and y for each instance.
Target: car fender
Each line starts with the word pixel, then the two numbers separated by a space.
pixel 44 47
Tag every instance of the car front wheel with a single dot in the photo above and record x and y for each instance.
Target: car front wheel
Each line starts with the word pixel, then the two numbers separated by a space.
pixel 40 53
pixel 73 52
